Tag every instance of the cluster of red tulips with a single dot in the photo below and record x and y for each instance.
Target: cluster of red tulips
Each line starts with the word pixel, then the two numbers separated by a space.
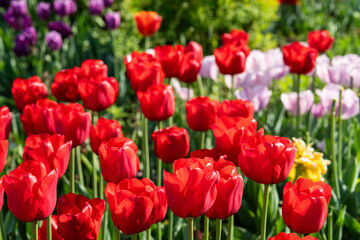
pixel 207 183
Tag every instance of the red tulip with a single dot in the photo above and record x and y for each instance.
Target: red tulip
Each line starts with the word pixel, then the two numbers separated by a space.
pixel 320 40
pixel 79 217
pixel 5 122
pixel 231 59
pixel 201 113
pixel 189 68
pixel 75 123
pixel 92 68
pixel 1 193
pixel 118 159
pixel 157 102
pixel 4 145
pixel 52 151
pixel 196 51
pixel 206 153
pixel 229 191
pixel 191 190
pixel 171 143
pixel 103 131
pixel 229 134
pixel 300 59
pixel 147 22
pixel 170 58
pixel 28 91
pixel 135 204
pixel 40 117
pixel 143 71
pixel 54 229
pixel 31 191
pixel 305 205
pixel 267 159
pixel 290 236
pixel 65 85
pixel 236 37
pixel 236 109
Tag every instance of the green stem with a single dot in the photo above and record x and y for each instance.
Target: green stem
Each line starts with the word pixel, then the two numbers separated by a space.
pixel 145 147
pixel 79 166
pixel 148 234
pixel 201 86
pixel 105 222
pixel 230 228
pixel 197 227
pixel 301 235
pixel 232 86
pixel 206 228
pixel 218 229
pixel 158 230
pixel 116 233
pixel 332 149
pixel 94 175
pixel 202 140
pixel 48 227
pixel 340 136
pixel 34 226
pixel 2 233
pixel 264 211
pixel 190 227
pixel 134 237
pixel 159 163
pixel 171 218
pixel 330 225
pixel 101 189
pixel 72 170
pixel 298 107
pixel 147 43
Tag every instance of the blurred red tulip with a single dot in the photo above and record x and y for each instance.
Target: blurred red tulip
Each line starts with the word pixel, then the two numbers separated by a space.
pixel 170 58
pixel 190 189
pixel 171 143
pixel 229 191
pixel 143 70
pixel 118 159
pixel 5 122
pixel 305 205
pixel 320 40
pixel 40 117
pixel 31 191
pixel 28 91
pixel 231 59
pixel 4 145
pixel 79 217
pixel 147 22
pixel 266 159
pixel 300 59
pixel 290 236
pixel 75 123
pixel 201 113
pixel 157 102
pixel 291 2
pixel 103 131
pixel 52 151
pixel 135 204
pixel 54 229
pixel 189 68
pixel 196 51
pixel 65 85
pixel 235 37
pixel 92 68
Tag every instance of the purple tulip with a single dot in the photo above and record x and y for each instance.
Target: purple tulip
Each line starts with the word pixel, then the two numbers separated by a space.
pixel 209 68
pixel 289 101
pixel 258 95
pixel 17 15
pixel 19 7
pixel 350 100
pixel 54 40
pixel 96 7
pixel 64 7
pixel 317 110
pixel 43 10
pixel 112 20
pixel 24 41
pixel 108 3
pixel 61 27
pixel 184 93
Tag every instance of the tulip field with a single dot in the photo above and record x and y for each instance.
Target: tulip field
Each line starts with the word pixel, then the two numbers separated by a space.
pixel 194 120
